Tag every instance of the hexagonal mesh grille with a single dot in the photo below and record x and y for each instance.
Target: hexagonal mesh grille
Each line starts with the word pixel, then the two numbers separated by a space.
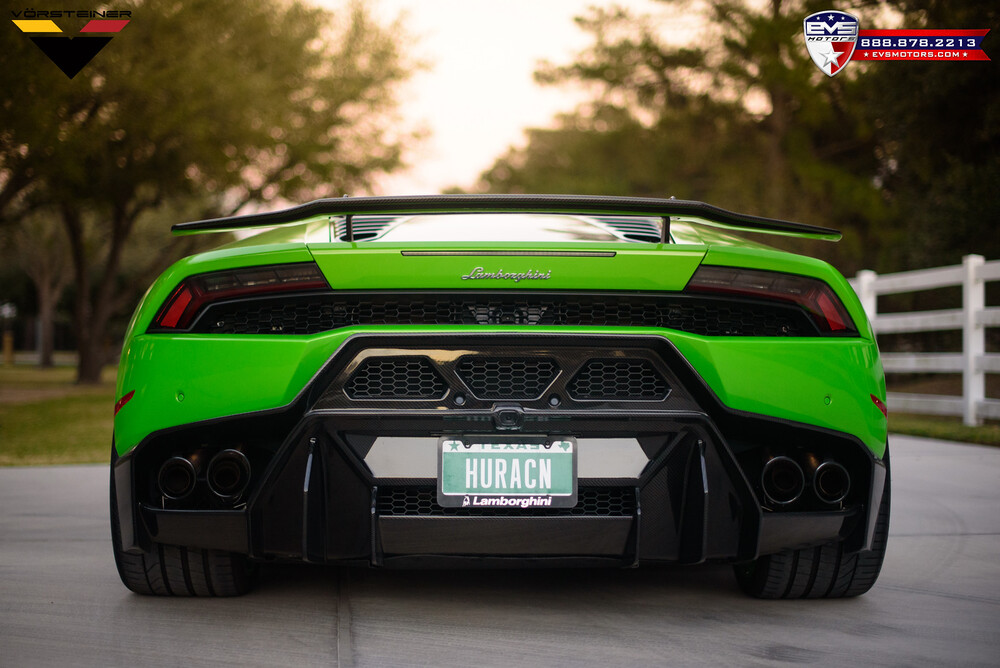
pixel 421 500
pixel 634 379
pixel 323 312
pixel 507 378
pixel 395 378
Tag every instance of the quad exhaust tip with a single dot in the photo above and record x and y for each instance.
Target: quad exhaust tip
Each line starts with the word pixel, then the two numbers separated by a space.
pixel 831 482
pixel 228 474
pixel 177 478
pixel 782 480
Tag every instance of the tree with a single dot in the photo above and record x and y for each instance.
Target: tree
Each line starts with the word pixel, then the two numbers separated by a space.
pixel 43 254
pixel 904 157
pixel 745 121
pixel 242 102
pixel 939 140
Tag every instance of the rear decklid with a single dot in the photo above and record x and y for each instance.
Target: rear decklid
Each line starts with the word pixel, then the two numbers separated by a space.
pixel 506 265
pixel 401 243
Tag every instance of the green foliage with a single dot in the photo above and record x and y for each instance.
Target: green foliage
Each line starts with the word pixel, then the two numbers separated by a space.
pixel 270 99
pixel 199 107
pixel 939 130
pixel 748 122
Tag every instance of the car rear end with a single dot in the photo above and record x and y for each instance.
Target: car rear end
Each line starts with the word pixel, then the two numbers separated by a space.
pixel 298 397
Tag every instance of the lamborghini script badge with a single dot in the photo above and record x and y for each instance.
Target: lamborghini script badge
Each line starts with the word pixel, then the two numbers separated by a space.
pixel 530 275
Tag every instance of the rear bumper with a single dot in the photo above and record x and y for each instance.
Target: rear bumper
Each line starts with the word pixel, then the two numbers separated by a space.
pixel 688 490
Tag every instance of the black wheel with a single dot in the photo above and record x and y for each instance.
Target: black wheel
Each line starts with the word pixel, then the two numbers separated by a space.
pixel 178 571
pixel 820 572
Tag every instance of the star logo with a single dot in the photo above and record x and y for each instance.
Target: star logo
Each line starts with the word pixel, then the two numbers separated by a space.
pixel 830 56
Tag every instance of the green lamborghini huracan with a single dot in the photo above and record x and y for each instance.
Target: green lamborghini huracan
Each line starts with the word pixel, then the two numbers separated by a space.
pixel 495 380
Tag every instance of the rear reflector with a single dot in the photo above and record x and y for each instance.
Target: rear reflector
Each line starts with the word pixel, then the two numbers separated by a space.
pixel 816 297
pixel 880 405
pixel 195 292
pixel 124 400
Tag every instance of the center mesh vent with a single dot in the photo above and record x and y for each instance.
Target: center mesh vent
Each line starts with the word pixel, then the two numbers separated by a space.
pixel 507 378
pixel 421 501
pixel 629 379
pixel 395 378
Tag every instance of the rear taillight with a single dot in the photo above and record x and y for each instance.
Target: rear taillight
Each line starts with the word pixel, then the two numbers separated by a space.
pixel 816 297
pixel 195 292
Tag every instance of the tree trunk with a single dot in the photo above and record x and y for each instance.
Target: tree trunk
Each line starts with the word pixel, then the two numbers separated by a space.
pixel 778 124
pixel 92 357
pixel 42 254
pixel 47 299
pixel 88 370
pixel 94 308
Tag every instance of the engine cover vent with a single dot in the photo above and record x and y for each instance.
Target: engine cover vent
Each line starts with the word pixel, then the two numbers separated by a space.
pixel 395 378
pixel 507 377
pixel 623 379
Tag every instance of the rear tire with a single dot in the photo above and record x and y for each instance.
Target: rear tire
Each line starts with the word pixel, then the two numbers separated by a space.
pixel 178 571
pixel 820 572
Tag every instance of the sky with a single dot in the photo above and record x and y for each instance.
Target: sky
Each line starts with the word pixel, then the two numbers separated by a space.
pixel 478 94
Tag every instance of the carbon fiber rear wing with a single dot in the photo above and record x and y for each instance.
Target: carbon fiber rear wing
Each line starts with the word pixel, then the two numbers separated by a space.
pixel 665 209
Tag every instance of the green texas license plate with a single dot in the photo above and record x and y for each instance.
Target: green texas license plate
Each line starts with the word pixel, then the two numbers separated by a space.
pixel 509 474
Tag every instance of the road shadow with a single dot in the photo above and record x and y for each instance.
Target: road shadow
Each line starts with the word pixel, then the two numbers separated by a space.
pixel 716 579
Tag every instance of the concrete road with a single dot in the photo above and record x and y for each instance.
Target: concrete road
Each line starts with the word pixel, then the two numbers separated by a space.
pixel 936 604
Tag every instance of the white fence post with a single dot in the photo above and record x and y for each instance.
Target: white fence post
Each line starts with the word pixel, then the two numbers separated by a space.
pixel 866 293
pixel 973 338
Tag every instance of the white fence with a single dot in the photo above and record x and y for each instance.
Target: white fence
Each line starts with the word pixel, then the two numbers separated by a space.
pixel 973 319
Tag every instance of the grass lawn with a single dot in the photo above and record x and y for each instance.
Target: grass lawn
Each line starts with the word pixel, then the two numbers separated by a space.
pixel 45 418
pixel 944 428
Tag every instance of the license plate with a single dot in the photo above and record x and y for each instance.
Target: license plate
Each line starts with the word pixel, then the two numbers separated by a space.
pixel 508 473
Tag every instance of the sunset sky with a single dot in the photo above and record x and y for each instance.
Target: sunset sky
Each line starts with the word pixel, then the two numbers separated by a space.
pixel 478 94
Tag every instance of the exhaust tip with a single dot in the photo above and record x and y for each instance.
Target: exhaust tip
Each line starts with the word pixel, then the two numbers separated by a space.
pixel 782 480
pixel 831 482
pixel 228 474
pixel 177 478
